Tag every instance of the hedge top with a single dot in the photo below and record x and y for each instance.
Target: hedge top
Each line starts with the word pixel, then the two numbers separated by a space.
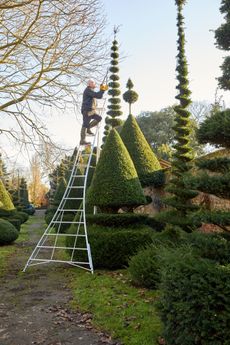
pixel 141 153
pixel 115 182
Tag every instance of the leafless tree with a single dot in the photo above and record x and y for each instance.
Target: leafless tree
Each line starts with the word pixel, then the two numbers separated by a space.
pixel 47 49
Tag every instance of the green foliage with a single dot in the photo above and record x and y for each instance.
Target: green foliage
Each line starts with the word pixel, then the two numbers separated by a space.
pixel 144 267
pixel 126 220
pixel 8 233
pixel 115 182
pixel 224 80
pixel 216 184
pixel 23 193
pixel 195 299
pixel 114 109
pixel 180 196
pixel 15 222
pixel 23 216
pixel 221 218
pixel 222 35
pixel 5 200
pixel 219 164
pixel 215 130
pixel 141 153
pixel 111 247
pixel 130 96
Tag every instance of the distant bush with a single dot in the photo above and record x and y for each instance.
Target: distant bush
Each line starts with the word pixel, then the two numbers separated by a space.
pixel 111 247
pixel 8 233
pixel 194 300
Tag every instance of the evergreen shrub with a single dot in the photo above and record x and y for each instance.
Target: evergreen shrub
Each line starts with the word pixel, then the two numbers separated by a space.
pixel 8 232
pixel 23 216
pixel 67 217
pixel 111 247
pixel 125 220
pixel 15 222
pixel 195 299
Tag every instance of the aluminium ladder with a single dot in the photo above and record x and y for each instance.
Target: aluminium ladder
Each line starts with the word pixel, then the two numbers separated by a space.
pixel 52 244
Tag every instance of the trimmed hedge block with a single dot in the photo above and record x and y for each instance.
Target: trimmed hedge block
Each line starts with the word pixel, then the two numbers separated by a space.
pixel 111 248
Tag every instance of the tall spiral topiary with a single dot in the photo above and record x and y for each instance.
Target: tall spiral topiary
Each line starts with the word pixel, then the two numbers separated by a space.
pixel 130 96
pixel 114 108
pixel 222 35
pixel 180 196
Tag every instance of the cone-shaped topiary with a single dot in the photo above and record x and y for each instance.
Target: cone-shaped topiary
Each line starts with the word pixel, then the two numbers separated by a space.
pixel 144 159
pixel 23 193
pixel 115 182
pixel 181 196
pixel 114 108
pixel 130 96
pixel 5 200
pixel 222 35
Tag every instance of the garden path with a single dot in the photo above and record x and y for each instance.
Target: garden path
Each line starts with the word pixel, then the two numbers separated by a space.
pixel 35 306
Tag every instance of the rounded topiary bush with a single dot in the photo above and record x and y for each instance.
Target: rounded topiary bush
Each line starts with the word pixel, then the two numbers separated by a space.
pixel 16 222
pixel 23 216
pixel 110 247
pixel 144 267
pixel 8 232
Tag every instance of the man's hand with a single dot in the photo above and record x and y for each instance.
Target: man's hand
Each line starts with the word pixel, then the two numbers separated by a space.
pixel 104 87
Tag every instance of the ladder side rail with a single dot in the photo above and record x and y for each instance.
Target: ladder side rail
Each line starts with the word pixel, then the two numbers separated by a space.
pixel 84 196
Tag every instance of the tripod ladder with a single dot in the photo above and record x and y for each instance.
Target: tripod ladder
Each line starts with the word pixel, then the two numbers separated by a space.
pixel 54 243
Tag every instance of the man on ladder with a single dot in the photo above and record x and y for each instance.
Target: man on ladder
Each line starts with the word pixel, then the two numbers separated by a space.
pixel 88 109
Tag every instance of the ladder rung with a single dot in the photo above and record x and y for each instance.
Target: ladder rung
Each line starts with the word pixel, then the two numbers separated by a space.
pixel 66 262
pixel 65 222
pixel 79 176
pixel 76 187
pixel 67 198
pixel 71 210
pixel 52 247
pixel 73 235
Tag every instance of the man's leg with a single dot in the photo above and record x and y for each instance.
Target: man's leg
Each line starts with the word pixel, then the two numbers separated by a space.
pixel 84 128
pixel 95 120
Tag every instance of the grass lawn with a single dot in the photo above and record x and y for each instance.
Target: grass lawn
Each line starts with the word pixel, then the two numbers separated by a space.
pixel 124 311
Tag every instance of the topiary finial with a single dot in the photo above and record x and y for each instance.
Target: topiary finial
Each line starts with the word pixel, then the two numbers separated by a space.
pixel 130 96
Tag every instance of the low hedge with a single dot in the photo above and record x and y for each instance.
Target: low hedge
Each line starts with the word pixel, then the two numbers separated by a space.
pixel 144 267
pixel 125 220
pixel 111 247
pixel 8 232
pixel 23 216
pixel 15 221
pixel 194 303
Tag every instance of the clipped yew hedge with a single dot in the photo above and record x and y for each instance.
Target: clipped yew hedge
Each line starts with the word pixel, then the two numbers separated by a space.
pixel 8 232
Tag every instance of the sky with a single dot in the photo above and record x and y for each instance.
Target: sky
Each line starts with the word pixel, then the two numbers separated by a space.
pixel 147 46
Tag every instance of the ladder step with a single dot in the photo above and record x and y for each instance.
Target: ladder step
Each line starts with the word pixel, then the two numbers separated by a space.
pixel 79 176
pixel 73 235
pixel 67 198
pixel 71 210
pixel 67 262
pixel 77 187
pixel 65 222
pixel 52 247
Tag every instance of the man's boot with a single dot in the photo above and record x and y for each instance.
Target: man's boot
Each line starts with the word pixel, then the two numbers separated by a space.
pixel 83 135
pixel 93 123
pixel 89 132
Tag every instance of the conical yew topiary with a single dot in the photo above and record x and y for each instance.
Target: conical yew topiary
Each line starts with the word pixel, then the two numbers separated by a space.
pixel 144 159
pixel 5 200
pixel 115 182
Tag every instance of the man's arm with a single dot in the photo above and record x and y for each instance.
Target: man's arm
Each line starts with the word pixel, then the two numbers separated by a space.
pixel 93 94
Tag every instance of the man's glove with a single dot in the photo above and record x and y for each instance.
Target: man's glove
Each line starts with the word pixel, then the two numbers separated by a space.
pixel 104 87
